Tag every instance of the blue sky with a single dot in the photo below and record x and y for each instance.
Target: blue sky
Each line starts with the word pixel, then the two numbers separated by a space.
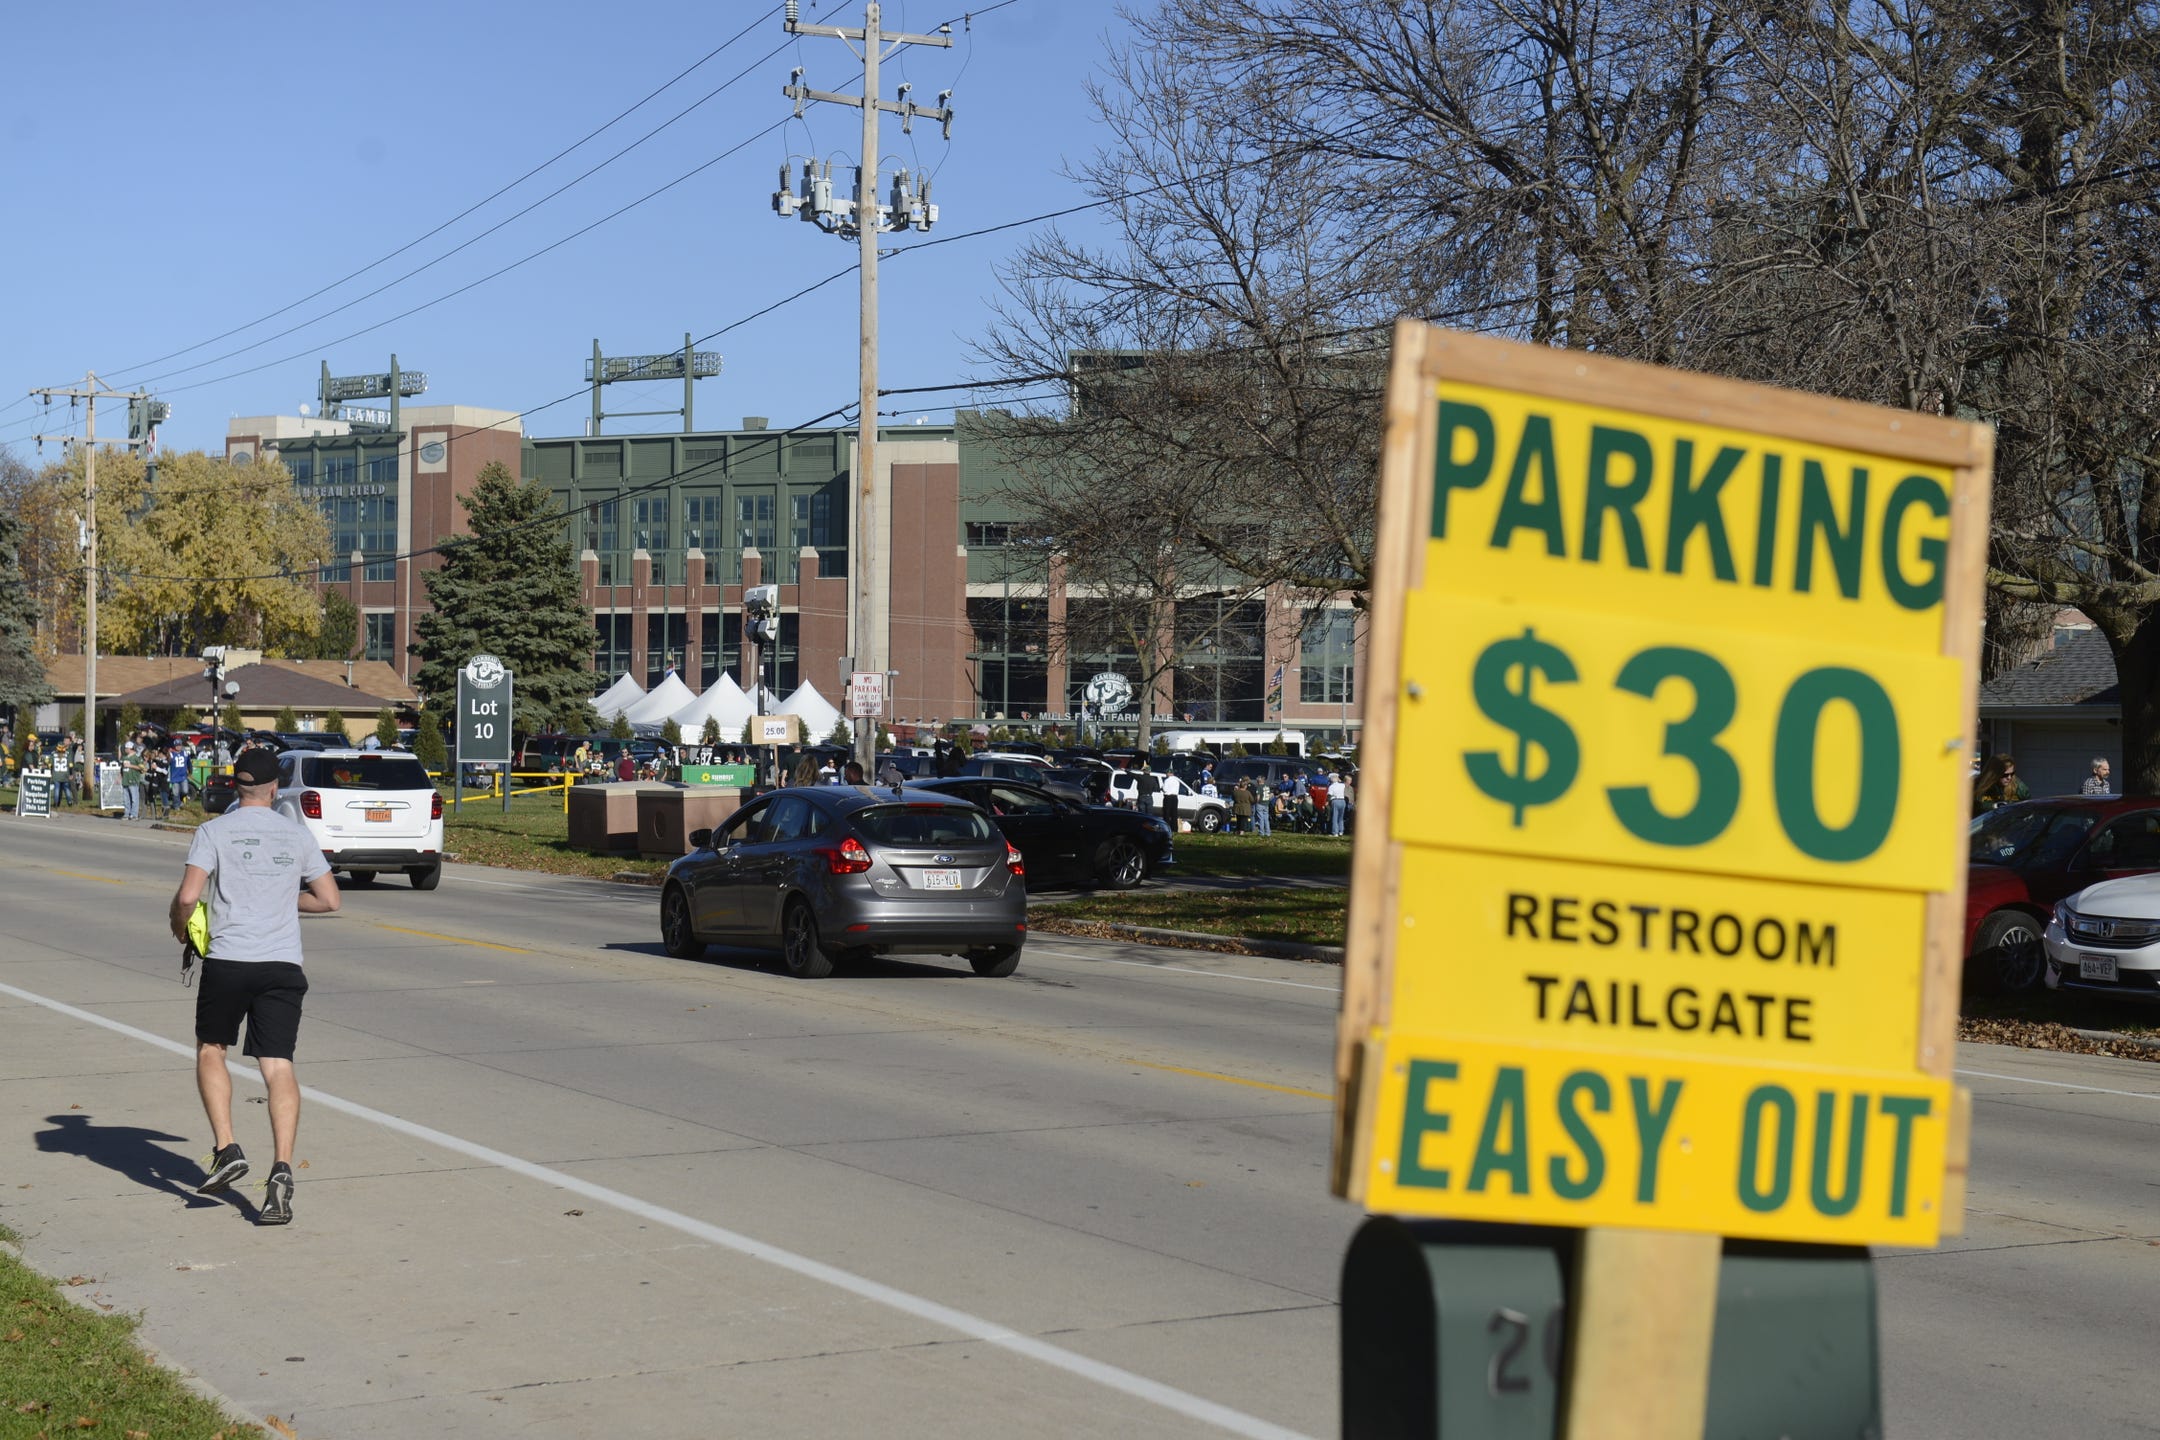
pixel 176 171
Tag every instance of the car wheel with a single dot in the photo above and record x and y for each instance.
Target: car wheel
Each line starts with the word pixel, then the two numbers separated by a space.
pixel 359 879
pixel 677 936
pixel 806 955
pixel 426 877
pixel 998 960
pixel 1123 866
pixel 2007 957
pixel 1208 821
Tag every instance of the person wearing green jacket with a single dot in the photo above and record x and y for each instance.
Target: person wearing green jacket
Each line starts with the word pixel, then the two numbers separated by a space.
pixel 131 778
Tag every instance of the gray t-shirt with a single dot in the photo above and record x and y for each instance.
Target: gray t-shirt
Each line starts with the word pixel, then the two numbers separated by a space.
pixel 258 859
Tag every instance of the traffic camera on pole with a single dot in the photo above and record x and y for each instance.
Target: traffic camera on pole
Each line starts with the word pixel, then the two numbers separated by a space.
pixel 761 613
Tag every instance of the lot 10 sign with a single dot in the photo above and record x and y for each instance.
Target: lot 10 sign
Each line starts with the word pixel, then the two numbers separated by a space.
pixel 484 712
pixel 1681 675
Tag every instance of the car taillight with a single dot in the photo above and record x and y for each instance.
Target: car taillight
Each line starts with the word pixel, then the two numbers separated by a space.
pixel 311 804
pixel 435 806
pixel 1013 861
pixel 849 859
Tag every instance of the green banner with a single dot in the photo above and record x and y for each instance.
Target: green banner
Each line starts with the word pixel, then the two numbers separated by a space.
pixel 719 775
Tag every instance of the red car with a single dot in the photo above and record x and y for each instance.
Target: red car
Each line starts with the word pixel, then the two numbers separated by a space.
pixel 2026 857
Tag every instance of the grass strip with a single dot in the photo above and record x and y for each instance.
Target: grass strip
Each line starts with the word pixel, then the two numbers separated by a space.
pixel 67 1369
pixel 1273 857
pixel 1305 917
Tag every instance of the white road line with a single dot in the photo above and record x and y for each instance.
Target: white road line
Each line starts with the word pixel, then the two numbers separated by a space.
pixel 1180 969
pixel 1126 1382
pixel 2060 1084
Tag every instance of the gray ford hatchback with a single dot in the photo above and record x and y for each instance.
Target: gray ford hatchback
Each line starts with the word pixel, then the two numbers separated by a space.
pixel 831 872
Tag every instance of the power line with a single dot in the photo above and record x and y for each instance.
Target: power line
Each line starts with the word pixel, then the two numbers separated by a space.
pixel 479 204
pixel 482 235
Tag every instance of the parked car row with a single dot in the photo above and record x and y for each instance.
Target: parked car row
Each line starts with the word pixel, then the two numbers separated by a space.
pixel 2062 893
pixel 832 873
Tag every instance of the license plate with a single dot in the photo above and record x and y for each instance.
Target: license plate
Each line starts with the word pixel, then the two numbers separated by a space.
pixel 941 879
pixel 2096 967
pixel 378 814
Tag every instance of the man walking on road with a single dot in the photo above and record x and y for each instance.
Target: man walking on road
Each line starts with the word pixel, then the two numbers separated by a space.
pixel 249 864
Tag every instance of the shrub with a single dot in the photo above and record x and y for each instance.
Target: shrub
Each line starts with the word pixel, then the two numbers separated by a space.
pixel 386 728
pixel 621 730
pixel 287 720
pixel 334 726
pixel 712 732
pixel 428 743
pixel 671 734
pixel 842 734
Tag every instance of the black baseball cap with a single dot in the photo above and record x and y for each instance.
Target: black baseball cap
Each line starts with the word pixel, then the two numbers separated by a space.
pixel 255 767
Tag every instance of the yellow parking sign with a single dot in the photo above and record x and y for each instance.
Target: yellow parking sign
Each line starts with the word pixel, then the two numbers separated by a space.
pixel 1656 907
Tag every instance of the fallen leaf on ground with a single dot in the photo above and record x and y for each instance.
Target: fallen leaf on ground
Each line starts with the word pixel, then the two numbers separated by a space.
pixel 573 1212
pixel 281 1427
pixel 76 1280
pixel 2046 1035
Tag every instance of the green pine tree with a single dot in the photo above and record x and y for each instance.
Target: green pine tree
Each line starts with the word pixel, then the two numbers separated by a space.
pixel 841 734
pixel 287 720
pixel 333 725
pixel 231 718
pixel 712 732
pixel 1276 745
pixel 386 728
pixel 130 719
pixel 510 589
pixel 620 730
pixel 185 718
pixel 22 674
pixel 671 733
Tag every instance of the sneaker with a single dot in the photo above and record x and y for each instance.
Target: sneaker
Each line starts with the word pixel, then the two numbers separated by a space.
pixel 224 1167
pixel 277 1196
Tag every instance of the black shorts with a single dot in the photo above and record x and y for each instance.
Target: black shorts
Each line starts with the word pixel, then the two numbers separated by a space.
pixel 266 992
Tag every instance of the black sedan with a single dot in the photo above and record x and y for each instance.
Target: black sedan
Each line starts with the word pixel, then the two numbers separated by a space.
pixel 1065 843
pixel 831 872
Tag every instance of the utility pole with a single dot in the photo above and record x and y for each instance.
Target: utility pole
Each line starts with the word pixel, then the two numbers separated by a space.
pixel 90 392
pixel 863 219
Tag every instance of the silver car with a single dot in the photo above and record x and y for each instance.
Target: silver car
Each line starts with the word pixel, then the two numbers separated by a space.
pixel 832 872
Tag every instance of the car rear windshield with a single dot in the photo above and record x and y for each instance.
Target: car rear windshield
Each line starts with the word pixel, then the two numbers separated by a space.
pixel 2026 836
pixel 906 825
pixel 364 772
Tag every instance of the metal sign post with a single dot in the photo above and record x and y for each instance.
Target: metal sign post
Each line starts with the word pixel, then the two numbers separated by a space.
pixel 1668 949
pixel 484 718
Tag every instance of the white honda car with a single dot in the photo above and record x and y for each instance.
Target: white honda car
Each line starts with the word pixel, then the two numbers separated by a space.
pixel 371 811
pixel 2106 938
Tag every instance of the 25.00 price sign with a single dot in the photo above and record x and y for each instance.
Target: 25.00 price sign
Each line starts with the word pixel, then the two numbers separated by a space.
pixel 1558 733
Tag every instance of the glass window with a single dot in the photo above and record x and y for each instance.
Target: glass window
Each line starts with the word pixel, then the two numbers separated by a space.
pixel 1327 659
pixel 908 825
pixel 754 523
pixel 704 527
pixel 363 772
pixel 611 643
pixel 381 636
pixel 790 819
pixel 667 636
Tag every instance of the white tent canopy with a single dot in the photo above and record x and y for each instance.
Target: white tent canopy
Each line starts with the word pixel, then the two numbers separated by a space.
pixel 723 701
pixel 818 718
pixel 662 701
pixel 618 697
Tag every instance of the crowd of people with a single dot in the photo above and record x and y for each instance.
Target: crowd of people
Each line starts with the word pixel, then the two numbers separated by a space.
pixel 1318 801
pixel 159 773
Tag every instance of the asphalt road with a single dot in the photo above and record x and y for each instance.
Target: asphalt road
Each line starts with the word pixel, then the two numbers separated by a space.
pixel 558 1184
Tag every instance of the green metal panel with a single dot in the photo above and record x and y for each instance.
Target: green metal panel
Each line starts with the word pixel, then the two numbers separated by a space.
pixel 1452 1330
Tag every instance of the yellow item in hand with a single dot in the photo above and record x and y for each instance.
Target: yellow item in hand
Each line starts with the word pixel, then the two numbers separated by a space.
pixel 198 928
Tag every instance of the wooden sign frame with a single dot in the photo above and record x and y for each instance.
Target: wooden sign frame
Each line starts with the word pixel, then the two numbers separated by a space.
pixel 1656 1287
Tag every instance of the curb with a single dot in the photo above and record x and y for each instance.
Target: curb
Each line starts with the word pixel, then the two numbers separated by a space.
pixel 2116 1037
pixel 1194 939
pixel 637 877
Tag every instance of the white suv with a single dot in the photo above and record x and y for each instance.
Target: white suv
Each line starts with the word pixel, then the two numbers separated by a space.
pixel 371 811
pixel 1202 813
